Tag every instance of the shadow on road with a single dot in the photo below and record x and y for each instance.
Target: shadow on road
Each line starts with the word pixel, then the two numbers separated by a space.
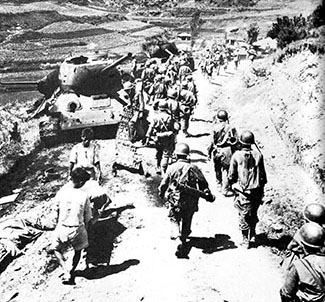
pixel 210 245
pixel 103 271
pixel 198 152
pixel 102 235
pixel 278 243
pixel 194 119
pixel 199 135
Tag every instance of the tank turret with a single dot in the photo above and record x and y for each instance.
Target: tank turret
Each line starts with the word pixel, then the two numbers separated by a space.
pixel 82 93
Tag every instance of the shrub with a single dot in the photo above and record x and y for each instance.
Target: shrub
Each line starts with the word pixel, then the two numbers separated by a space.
pixel 287 30
pixel 317 18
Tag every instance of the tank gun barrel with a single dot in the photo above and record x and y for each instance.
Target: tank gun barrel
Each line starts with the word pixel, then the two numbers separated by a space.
pixel 117 62
pixel 13 83
pixel 18 85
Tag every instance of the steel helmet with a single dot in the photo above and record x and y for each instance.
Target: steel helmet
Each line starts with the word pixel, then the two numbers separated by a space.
pixel 163 105
pixel 315 212
pixel 247 138
pixel 172 93
pixel 312 235
pixel 182 149
pixel 222 115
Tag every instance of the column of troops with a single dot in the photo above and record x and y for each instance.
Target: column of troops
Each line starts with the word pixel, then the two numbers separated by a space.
pixel 167 91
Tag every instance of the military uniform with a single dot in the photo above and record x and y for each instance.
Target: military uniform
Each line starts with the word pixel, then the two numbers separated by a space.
pixel 305 280
pixel 220 151
pixel 248 172
pixel 162 128
pixel 182 204
pixel 187 103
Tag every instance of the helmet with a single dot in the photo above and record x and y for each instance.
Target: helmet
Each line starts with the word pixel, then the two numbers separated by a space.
pixel 182 149
pixel 315 212
pixel 163 105
pixel 128 85
pixel 247 138
pixel 172 93
pixel 312 235
pixel 222 115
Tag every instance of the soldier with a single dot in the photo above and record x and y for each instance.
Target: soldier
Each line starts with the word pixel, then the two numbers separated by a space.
pixel 173 104
pixel 186 105
pixel 223 145
pixel 313 212
pixel 162 128
pixel 305 278
pixel 183 202
pixel 184 70
pixel 147 78
pixel 74 214
pixel 138 112
pixel 192 87
pixel 248 177
pixel 86 155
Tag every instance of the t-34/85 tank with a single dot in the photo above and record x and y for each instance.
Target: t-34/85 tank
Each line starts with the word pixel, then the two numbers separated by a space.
pixel 82 93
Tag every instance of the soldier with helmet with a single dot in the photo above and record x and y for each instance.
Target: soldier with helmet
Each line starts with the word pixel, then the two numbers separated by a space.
pixel 248 177
pixel 192 87
pixel 138 113
pixel 305 278
pixel 173 103
pixel 313 212
pixel 186 104
pixel 163 130
pixel 183 203
pixel 223 145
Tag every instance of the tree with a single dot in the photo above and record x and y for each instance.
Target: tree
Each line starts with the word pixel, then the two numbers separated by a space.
pixel 252 33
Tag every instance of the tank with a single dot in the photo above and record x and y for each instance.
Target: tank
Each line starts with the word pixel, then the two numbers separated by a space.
pixel 82 93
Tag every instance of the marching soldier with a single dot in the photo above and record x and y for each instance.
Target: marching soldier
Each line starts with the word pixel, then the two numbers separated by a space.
pixel 181 185
pixel 248 177
pixel 137 106
pixel 163 131
pixel 187 102
pixel 223 145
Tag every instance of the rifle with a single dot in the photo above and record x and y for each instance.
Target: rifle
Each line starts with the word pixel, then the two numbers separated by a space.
pixel 192 191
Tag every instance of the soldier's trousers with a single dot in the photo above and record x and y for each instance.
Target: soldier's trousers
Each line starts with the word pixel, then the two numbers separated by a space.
pixel 247 209
pixel 163 154
pixel 183 223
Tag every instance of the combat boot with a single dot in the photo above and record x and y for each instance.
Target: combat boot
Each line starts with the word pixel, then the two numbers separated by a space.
pixel 245 242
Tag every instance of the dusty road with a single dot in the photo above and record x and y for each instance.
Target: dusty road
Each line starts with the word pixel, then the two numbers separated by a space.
pixel 143 266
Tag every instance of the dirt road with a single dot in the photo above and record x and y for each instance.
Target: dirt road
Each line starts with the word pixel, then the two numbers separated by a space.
pixel 143 265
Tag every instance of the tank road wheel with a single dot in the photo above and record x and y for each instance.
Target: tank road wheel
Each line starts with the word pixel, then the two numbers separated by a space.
pixel 49 131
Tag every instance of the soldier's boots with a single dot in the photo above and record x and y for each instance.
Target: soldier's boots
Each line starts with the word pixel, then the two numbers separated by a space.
pixel 245 242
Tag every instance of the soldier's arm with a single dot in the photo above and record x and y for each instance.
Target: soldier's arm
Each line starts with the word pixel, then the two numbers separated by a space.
pixel 232 172
pixel 290 286
pixel 164 184
pixel 263 179
pixel 201 180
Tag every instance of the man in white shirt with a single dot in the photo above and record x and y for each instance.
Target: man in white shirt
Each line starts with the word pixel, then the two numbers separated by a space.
pixel 86 155
pixel 74 214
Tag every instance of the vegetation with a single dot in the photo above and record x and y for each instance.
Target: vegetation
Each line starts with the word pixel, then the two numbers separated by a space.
pixel 287 30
